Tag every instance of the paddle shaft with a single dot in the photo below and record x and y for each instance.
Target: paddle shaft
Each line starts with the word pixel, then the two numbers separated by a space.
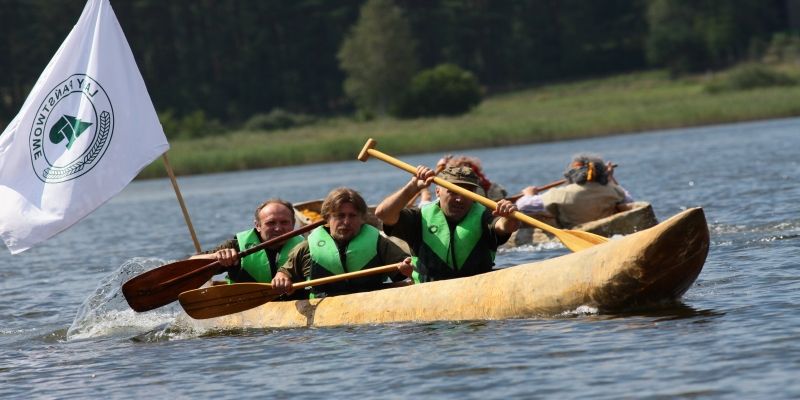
pixel 215 266
pixel 452 187
pixel 550 186
pixel 540 188
pixel 573 240
pixel 348 275
pixel 217 301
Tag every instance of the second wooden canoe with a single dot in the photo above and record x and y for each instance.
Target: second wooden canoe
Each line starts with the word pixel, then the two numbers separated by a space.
pixel 639 216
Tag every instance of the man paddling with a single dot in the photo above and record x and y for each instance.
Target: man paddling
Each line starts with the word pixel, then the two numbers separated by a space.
pixel 453 237
pixel 273 218
pixel 346 244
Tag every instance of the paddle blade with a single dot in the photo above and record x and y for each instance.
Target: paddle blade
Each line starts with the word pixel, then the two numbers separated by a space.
pixel 578 240
pixel 158 287
pixel 589 236
pixel 216 301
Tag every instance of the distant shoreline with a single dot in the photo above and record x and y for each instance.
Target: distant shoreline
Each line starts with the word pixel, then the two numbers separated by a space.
pixel 621 104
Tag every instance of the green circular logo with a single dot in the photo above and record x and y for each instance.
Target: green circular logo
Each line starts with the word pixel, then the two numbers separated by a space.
pixel 72 129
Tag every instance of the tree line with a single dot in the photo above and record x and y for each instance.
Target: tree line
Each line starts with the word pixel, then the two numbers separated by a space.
pixel 231 60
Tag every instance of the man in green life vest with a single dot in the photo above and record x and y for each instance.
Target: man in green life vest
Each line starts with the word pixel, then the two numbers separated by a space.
pixel 452 237
pixel 344 244
pixel 273 218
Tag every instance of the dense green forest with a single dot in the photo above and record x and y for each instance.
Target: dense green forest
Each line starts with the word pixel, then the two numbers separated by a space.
pixel 227 61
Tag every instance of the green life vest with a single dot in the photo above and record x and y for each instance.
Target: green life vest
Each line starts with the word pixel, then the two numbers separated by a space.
pixel 361 249
pixel 442 256
pixel 361 252
pixel 257 264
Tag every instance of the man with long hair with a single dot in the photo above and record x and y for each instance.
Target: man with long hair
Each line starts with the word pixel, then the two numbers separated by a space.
pixel 345 244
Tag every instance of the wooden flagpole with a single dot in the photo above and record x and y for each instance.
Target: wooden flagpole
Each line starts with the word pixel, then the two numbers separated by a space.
pixel 180 201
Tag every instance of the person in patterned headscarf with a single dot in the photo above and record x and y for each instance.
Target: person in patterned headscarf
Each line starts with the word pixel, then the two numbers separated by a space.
pixel 591 193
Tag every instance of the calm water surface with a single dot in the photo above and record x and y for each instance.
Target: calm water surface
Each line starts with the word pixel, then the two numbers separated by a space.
pixel 66 332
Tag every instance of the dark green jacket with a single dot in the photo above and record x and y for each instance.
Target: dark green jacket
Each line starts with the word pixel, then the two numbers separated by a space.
pixel 445 249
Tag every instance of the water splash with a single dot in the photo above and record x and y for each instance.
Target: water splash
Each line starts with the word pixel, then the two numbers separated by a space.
pixel 581 310
pixel 530 248
pixel 548 245
pixel 106 313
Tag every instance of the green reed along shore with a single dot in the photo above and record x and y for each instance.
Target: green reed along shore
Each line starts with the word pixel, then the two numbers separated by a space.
pixel 623 104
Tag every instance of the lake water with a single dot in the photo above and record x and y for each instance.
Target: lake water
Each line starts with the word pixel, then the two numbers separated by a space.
pixel 66 331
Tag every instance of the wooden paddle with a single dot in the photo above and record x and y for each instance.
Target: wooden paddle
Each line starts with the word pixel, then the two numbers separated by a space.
pixel 573 240
pixel 161 286
pixel 550 185
pixel 216 301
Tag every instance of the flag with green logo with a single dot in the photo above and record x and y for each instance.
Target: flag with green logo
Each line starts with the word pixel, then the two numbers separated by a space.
pixel 85 131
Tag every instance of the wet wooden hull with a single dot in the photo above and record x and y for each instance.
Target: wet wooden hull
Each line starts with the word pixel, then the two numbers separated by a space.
pixel 651 266
pixel 639 217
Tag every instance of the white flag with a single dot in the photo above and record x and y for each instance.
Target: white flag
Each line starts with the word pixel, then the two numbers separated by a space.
pixel 86 129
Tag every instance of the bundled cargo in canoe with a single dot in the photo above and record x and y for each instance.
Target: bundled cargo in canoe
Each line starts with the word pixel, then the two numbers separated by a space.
pixel 652 266
pixel 639 216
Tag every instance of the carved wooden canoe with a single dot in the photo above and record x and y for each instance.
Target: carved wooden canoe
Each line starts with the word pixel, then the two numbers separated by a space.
pixel 651 266
pixel 639 216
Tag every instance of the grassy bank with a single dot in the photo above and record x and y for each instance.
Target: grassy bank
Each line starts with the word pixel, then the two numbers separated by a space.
pixel 628 103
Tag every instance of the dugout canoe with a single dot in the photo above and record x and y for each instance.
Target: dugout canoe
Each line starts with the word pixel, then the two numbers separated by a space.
pixel 637 217
pixel 651 266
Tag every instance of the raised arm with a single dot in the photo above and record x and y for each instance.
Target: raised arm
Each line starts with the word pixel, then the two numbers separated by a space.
pixel 389 209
